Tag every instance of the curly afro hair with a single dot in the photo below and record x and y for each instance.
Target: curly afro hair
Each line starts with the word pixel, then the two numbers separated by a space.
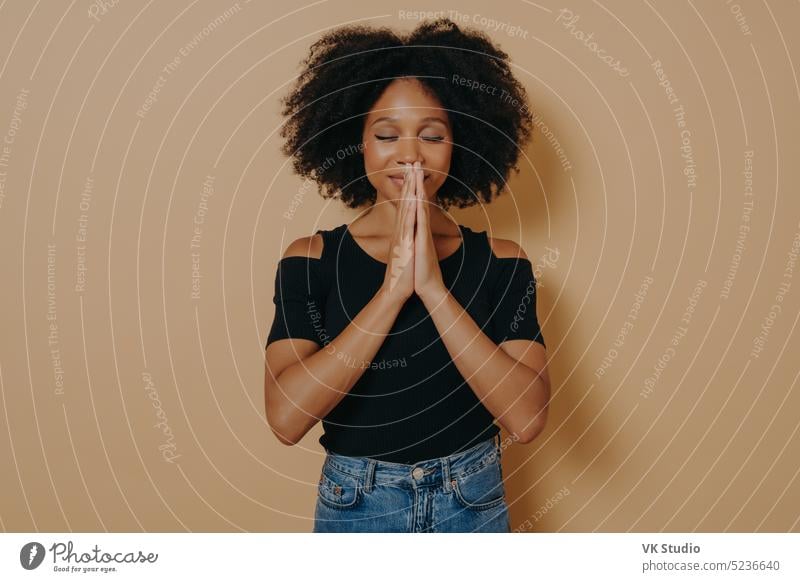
pixel 348 69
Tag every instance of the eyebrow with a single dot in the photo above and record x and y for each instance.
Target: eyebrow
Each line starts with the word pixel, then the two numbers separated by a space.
pixel 431 118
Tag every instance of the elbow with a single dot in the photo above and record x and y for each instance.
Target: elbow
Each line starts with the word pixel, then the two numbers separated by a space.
pixel 284 440
pixel 281 424
pixel 537 419
pixel 277 418
pixel 534 427
pixel 281 429
pixel 529 435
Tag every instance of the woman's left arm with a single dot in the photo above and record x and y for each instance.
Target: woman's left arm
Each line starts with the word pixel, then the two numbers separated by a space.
pixel 512 382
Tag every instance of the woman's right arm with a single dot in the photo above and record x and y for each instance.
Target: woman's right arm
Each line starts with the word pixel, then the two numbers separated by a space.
pixel 303 381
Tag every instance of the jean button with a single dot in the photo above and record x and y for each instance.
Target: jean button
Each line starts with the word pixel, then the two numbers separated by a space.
pixel 417 473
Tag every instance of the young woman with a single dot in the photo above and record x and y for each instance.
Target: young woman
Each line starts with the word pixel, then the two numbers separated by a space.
pixel 405 332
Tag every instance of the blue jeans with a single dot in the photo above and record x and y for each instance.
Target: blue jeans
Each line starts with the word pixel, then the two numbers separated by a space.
pixel 459 493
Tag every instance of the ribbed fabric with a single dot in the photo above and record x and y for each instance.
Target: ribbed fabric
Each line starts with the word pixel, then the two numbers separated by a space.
pixel 411 403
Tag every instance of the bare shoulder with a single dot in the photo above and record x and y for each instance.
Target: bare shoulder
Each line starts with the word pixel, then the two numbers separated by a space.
pixel 504 248
pixel 307 246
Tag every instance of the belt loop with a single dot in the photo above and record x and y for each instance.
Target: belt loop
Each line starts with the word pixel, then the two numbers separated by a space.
pixel 446 474
pixel 369 475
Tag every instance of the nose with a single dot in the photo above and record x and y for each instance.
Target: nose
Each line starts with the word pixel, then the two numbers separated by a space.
pixel 408 151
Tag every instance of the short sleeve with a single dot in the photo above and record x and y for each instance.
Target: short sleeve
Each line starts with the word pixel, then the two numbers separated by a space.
pixel 299 301
pixel 513 301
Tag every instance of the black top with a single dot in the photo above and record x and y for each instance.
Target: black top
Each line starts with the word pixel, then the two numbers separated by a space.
pixel 411 403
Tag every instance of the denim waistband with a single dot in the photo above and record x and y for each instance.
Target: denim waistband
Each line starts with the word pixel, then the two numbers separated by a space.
pixel 430 472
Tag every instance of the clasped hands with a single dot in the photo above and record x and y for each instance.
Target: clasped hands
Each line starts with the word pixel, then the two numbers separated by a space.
pixel 413 265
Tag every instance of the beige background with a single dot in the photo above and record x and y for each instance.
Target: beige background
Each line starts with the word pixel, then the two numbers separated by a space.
pixel 714 447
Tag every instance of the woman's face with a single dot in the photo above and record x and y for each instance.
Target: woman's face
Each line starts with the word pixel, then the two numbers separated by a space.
pixel 406 125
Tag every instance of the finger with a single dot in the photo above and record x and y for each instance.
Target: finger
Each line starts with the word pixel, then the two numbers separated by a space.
pixel 406 191
pixel 404 206
pixel 412 198
pixel 412 184
pixel 423 212
pixel 409 200
pixel 419 180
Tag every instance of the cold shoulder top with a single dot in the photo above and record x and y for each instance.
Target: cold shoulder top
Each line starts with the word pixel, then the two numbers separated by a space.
pixel 411 403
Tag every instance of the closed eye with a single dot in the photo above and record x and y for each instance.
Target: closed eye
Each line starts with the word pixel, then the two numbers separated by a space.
pixel 426 138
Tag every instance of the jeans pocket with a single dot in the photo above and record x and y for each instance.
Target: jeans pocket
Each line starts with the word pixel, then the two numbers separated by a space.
pixel 337 489
pixel 481 489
